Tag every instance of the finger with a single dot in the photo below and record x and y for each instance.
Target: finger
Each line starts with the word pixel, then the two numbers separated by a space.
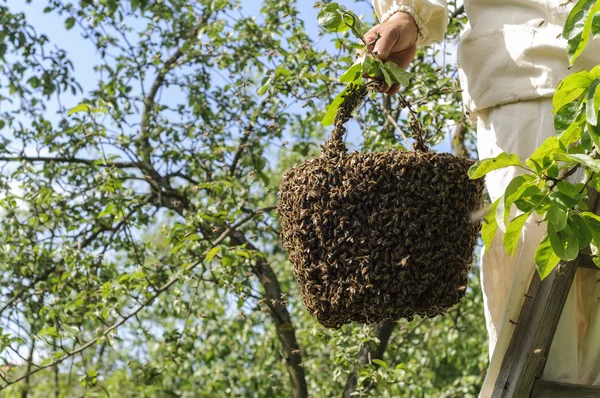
pixel 384 45
pixel 371 35
pixel 403 58
pixel 394 89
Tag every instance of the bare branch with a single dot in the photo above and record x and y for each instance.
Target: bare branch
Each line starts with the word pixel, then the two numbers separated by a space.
pixel 50 159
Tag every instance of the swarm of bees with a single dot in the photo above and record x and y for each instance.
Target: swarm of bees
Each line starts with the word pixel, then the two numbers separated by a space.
pixel 376 236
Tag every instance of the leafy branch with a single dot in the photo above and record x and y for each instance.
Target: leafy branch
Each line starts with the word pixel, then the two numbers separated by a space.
pixel 337 19
pixel 546 188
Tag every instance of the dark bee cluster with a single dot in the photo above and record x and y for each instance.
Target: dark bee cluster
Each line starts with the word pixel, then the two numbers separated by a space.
pixel 376 236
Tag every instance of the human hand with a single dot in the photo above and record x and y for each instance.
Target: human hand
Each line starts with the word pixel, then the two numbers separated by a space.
pixel 397 43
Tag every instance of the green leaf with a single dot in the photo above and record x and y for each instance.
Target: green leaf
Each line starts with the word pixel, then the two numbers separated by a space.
pixel 373 67
pixel 593 222
pixel 352 21
pixel 581 230
pixel 69 23
pixel 545 258
pixel 586 142
pixel 569 189
pixel 576 19
pixel 513 233
pixel 570 88
pixel 574 132
pixel 593 103
pixel 79 108
pixel 212 253
pixel 329 117
pixel 549 146
pixel 387 75
pixel 109 210
pixel 584 160
pixel 531 199
pixel 594 132
pixel 490 225
pixel 596 26
pixel 49 331
pixel 330 18
pixel 557 216
pixel 578 27
pixel 564 243
pixel 515 190
pixel 265 87
pixel 34 82
pixel 399 75
pixel 566 116
pixel 484 166
pixel 380 363
pixel 242 253
pixel 353 74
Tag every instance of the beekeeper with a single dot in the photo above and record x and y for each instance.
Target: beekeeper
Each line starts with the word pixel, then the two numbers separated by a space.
pixel 511 58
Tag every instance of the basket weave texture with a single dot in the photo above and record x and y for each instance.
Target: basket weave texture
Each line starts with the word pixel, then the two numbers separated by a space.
pixel 375 236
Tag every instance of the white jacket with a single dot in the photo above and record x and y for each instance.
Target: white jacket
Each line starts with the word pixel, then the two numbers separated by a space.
pixel 511 50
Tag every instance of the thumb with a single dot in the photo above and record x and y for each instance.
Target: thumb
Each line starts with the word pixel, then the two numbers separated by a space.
pixel 384 45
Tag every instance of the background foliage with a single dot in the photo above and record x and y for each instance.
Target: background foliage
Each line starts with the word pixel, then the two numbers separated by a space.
pixel 141 255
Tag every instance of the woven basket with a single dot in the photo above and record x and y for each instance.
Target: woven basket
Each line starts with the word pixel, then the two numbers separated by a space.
pixel 376 236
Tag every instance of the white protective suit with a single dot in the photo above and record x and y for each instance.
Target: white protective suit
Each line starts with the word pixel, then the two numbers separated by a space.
pixel 511 58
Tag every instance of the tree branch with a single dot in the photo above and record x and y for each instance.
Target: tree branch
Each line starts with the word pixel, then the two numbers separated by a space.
pixel 457 12
pixel 383 331
pixel 150 99
pixel 50 159
pixel 246 136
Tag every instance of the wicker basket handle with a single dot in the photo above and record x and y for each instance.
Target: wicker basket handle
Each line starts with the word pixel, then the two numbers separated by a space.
pixel 355 96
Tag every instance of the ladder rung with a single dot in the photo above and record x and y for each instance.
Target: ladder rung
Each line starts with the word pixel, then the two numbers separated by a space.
pixel 551 389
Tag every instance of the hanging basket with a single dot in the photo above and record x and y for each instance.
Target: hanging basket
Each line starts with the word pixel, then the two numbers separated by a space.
pixel 376 236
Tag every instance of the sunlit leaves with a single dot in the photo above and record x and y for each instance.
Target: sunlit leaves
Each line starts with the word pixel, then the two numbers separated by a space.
pixel 545 258
pixel 485 166
pixel 580 26
pixel 353 74
pixel 331 18
pixel 513 233
pixel 593 102
pixel 490 225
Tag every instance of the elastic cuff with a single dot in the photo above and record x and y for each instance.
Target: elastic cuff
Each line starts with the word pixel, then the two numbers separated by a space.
pixel 422 30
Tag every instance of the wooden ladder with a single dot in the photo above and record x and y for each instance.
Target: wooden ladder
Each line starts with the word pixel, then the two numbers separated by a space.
pixel 525 360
